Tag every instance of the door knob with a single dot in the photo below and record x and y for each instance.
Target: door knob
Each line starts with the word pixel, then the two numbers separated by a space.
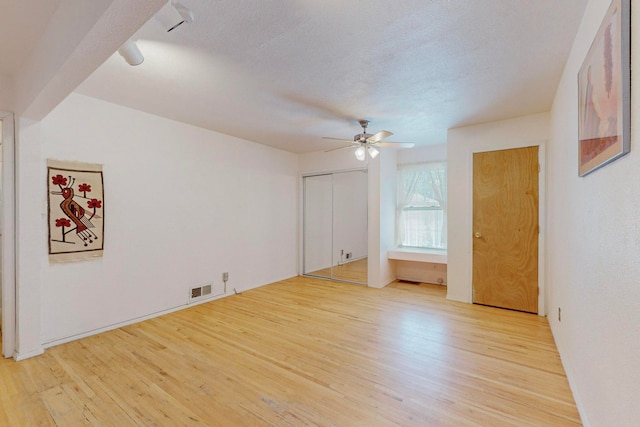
pixel 477 235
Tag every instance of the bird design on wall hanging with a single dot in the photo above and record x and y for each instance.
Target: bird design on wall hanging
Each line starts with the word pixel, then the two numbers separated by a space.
pixel 76 211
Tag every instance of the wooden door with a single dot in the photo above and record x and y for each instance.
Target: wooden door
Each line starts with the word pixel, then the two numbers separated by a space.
pixel 505 228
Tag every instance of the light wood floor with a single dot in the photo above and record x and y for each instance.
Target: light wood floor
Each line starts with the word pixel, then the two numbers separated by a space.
pixel 302 352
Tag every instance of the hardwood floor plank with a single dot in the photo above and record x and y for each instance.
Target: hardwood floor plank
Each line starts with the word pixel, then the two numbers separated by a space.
pixel 303 351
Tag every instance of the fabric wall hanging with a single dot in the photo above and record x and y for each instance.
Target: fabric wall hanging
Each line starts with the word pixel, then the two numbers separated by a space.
pixel 75 198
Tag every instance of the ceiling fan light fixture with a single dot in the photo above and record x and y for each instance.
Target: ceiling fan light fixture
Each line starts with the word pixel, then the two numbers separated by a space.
pixel 369 143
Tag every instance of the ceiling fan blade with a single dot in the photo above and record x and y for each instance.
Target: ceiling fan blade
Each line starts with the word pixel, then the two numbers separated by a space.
pixel 339 148
pixel 396 144
pixel 380 135
pixel 337 139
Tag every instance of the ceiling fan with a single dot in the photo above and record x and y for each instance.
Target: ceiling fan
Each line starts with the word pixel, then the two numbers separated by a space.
pixel 367 142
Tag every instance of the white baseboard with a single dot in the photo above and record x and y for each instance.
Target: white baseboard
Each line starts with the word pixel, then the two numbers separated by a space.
pixel 64 340
pixel 22 356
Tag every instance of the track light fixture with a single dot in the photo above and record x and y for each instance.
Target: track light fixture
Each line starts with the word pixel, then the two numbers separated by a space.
pixel 130 52
pixel 174 14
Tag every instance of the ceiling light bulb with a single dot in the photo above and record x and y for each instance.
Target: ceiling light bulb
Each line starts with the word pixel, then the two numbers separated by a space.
pixel 130 52
pixel 373 151
pixel 360 153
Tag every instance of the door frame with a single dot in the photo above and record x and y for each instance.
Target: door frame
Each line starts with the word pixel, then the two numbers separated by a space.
pixel 8 236
pixel 542 306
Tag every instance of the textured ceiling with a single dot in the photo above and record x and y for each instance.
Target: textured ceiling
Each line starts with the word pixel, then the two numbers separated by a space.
pixel 287 72
pixel 23 21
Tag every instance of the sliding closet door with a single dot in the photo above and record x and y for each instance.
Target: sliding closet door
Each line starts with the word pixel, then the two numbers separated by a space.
pixel 317 228
pixel 350 226
pixel 335 226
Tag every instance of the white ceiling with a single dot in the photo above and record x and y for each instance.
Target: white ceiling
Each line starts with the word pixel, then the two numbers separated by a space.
pixel 287 72
pixel 22 22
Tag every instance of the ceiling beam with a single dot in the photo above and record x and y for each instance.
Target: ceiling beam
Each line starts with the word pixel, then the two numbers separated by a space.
pixel 79 38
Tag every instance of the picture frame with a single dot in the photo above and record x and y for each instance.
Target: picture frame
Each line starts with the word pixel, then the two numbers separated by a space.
pixel 604 92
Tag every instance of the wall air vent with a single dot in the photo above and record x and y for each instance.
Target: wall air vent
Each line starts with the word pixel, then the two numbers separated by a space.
pixel 199 292
pixel 196 292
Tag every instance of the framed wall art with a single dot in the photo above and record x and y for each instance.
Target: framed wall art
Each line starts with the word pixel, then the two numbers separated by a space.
pixel 604 92
pixel 75 196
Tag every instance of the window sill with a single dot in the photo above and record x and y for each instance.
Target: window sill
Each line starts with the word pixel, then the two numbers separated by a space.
pixel 435 256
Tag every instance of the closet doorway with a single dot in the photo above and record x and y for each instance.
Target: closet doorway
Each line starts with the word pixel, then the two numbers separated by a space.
pixel 335 226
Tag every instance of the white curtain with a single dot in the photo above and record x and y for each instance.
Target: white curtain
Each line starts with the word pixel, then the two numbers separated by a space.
pixel 422 185
pixel 437 177
pixel 408 178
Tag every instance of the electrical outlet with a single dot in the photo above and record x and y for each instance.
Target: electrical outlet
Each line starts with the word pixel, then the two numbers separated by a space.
pixel 225 277
pixel 349 255
pixel 559 314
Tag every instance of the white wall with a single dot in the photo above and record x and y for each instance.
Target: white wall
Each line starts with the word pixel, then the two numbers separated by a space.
pixel 8 235
pixel 2 202
pixel 340 160
pixel 7 240
pixel 524 131
pixel 430 153
pixel 30 236
pixel 593 252
pixel 182 205
pixel 6 92
pixel 383 171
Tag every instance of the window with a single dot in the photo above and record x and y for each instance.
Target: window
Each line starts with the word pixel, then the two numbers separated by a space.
pixel 421 217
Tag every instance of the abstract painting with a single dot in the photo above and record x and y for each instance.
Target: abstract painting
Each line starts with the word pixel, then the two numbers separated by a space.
pixel 604 91
pixel 76 211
